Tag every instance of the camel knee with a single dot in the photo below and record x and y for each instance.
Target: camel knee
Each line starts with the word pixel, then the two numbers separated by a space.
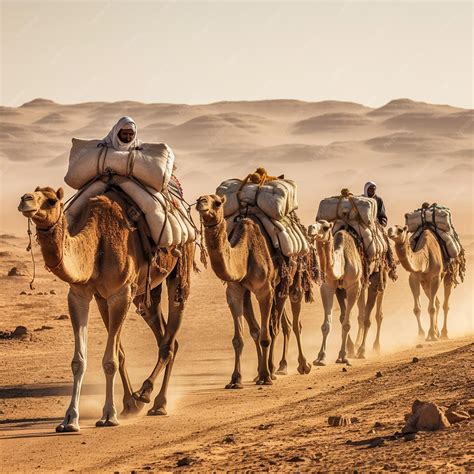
pixel 325 328
pixel 165 352
pixel 238 343
pixel 379 317
pixel 255 333
pixel 110 366
pixel 445 307
pixel 265 342
pixel 346 327
pixel 78 366
pixel 367 323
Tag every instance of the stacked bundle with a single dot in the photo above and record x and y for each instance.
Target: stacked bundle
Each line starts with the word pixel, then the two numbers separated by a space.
pixel 359 213
pixel 438 218
pixel 143 173
pixel 274 203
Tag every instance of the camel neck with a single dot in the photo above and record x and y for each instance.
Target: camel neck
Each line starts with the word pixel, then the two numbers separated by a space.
pixel 326 253
pixel 228 262
pixel 410 260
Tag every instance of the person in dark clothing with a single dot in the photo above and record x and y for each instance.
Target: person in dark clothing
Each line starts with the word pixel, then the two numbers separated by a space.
pixel 369 191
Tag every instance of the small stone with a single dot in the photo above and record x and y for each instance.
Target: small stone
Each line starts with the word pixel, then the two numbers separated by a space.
pixel 309 388
pixel 17 272
pixel 344 369
pixel 23 293
pixel 62 316
pixel 186 461
pixel 410 436
pixel 339 420
pixel 52 292
pixel 379 374
pixel 377 424
pixel 83 442
pixel 20 331
pixel 230 438
pixel 419 346
pixel 376 442
pixel 415 360
pixel 295 459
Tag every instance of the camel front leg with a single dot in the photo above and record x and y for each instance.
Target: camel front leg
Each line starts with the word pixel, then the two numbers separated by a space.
pixel 118 306
pixel 278 310
pixel 286 330
pixel 352 295
pixel 448 286
pixel 415 287
pixel 265 301
pixel 360 318
pixel 341 299
pixel 327 297
pixel 432 292
pixel 130 405
pixel 378 319
pixel 254 327
pixel 296 300
pixel 79 311
pixel 372 293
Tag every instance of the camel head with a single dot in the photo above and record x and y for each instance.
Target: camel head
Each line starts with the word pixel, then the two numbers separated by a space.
pixel 43 206
pixel 398 234
pixel 211 209
pixel 320 231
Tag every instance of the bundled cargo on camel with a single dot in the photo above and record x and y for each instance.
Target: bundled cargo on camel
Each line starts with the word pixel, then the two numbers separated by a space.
pixel 273 201
pixel 143 174
pixel 438 219
pixel 359 213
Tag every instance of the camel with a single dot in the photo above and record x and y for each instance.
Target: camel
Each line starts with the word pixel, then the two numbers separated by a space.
pixel 247 264
pixel 102 257
pixel 427 270
pixel 343 268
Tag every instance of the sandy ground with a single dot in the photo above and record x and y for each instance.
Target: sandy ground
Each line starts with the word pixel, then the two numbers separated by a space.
pixel 415 151
pixel 283 427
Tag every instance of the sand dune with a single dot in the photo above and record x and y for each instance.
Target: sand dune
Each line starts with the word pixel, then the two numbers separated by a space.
pixel 324 146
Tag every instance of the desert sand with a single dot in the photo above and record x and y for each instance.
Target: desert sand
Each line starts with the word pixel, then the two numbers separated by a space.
pixel 416 152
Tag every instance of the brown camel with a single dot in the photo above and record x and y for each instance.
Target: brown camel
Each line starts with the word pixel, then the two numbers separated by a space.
pixel 102 257
pixel 427 270
pixel 247 263
pixel 343 268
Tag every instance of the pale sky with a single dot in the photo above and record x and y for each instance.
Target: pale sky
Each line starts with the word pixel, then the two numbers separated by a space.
pixel 193 52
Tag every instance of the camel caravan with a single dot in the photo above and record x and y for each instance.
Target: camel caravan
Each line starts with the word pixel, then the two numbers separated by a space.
pixel 128 229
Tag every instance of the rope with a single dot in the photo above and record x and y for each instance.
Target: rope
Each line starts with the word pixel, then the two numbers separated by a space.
pixel 29 248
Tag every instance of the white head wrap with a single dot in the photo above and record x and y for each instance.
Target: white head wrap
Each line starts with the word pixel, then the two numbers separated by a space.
pixel 114 141
pixel 367 186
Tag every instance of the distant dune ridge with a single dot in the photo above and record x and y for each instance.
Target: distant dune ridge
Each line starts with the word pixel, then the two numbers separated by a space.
pixel 408 147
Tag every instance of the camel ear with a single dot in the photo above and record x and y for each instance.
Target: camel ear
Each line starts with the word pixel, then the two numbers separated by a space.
pixel 331 225
pixel 60 193
pixel 37 189
pixel 222 200
pixel 405 227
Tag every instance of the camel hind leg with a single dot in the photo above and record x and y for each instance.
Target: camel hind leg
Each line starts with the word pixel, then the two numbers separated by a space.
pixel 327 296
pixel 296 301
pixel 341 299
pixel 431 291
pixel 286 329
pixel 265 300
pixel 378 319
pixel 448 286
pixel 352 296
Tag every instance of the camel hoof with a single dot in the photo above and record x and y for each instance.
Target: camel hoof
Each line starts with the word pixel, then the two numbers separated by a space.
pixel 376 349
pixel 108 422
pixel 319 363
pixel 131 407
pixel 351 355
pixel 444 336
pixel 265 381
pixel 69 428
pixel 273 376
pixel 342 360
pixel 157 412
pixel 432 338
pixel 421 335
pixel 304 369
pixel 281 371
pixel 234 386
pixel 142 396
pixel 361 356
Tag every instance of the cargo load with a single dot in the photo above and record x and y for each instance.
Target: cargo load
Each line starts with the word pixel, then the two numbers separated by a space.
pixel 438 219
pixel 360 214
pixel 276 198
pixel 347 207
pixel 273 202
pixel 150 163
pixel 168 219
pixel 438 216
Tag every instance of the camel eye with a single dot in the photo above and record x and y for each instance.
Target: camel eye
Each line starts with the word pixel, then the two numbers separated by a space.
pixel 52 202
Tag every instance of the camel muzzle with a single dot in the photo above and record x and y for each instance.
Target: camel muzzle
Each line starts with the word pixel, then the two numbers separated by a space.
pixel 27 205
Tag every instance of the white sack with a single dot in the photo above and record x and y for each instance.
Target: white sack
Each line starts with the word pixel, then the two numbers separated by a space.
pixel 151 163
pixel 333 208
pixel 441 218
